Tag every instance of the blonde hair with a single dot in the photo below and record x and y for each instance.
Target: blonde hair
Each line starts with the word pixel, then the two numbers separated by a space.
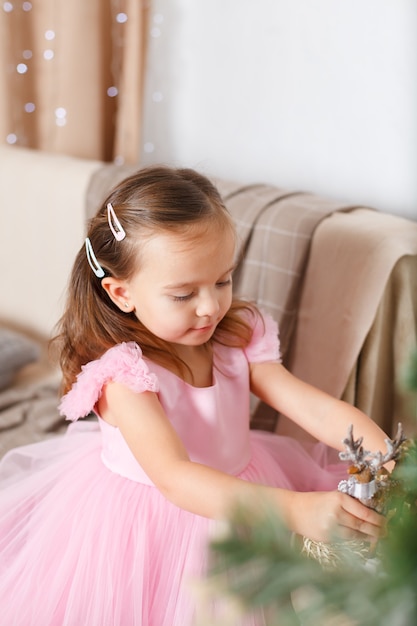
pixel 155 199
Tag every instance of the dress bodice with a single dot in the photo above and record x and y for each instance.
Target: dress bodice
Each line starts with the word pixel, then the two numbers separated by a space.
pixel 212 422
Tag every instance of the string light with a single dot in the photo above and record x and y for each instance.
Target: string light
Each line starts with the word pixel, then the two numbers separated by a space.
pixel 60 116
pixel 121 18
pixel 149 147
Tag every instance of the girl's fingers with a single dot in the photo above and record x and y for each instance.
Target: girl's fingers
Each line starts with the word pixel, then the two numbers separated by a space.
pixel 359 521
pixel 363 532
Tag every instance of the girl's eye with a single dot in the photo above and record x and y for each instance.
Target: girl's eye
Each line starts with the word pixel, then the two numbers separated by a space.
pixel 224 283
pixel 182 298
pixel 188 296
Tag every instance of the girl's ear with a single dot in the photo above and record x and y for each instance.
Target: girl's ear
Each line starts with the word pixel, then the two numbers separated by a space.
pixel 118 292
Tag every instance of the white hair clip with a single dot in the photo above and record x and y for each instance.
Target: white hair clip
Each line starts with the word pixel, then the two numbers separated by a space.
pixel 115 226
pixel 92 260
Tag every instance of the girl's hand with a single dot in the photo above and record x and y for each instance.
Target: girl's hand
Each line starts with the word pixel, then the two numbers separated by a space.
pixel 323 516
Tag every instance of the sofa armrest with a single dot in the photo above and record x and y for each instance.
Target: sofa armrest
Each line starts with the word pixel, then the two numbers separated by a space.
pixel 42 199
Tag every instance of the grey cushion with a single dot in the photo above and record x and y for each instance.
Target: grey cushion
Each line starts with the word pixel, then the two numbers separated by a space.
pixel 16 350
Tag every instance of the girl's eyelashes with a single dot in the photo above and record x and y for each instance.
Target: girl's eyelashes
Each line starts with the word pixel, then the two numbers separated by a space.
pixel 188 296
pixel 224 283
pixel 182 298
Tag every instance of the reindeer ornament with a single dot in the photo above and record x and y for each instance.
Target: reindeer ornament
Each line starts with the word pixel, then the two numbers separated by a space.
pixel 368 480
pixel 370 483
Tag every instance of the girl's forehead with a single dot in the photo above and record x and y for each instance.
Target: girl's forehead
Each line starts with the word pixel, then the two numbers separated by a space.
pixel 177 248
pixel 191 237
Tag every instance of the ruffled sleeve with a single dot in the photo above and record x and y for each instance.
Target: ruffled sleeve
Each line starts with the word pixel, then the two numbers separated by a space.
pixel 264 345
pixel 123 364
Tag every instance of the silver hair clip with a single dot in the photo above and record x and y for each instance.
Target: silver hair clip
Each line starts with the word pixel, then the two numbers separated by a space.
pixel 115 226
pixel 92 260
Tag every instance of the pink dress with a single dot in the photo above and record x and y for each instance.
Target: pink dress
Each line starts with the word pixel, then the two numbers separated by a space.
pixel 85 537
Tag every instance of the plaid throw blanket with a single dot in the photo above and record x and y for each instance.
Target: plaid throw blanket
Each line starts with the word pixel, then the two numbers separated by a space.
pixel 275 228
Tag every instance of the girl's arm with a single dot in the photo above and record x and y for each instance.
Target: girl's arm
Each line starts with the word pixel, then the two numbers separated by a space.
pixel 208 492
pixel 323 416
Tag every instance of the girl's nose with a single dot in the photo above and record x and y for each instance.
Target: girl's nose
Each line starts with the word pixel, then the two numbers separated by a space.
pixel 208 305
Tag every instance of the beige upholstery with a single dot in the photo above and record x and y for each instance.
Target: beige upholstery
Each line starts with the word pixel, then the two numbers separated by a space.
pixel 42 200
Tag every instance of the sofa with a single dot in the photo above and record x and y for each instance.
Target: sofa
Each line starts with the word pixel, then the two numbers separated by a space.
pixel 340 279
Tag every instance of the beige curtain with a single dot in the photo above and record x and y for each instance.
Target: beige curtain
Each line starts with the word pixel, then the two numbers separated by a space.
pixel 71 76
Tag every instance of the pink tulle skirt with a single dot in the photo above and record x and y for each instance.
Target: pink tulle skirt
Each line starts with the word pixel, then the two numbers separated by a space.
pixel 80 545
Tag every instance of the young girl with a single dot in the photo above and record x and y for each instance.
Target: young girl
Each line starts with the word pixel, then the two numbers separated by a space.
pixel 107 525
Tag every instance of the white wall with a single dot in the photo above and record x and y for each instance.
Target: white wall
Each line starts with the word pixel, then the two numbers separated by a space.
pixel 316 95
